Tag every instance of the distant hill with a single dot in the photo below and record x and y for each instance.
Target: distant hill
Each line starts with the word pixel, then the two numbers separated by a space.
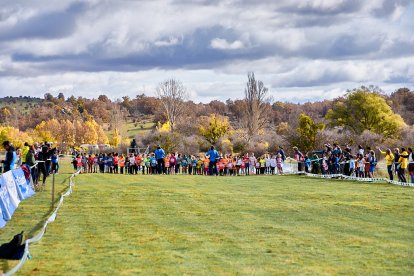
pixel 141 113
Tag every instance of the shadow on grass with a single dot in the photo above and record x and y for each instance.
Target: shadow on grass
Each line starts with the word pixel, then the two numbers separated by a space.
pixel 6 265
pixel 46 215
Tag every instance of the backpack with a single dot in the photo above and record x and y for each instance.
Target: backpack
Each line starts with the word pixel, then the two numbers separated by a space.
pixel 14 249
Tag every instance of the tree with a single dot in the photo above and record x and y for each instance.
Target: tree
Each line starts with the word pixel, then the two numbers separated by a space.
pixel 5 114
pixel 14 135
pixel 116 138
pixel 172 94
pixel 48 97
pixel 217 127
pixel 102 137
pixel 126 102
pixel 91 137
pixel 66 134
pixel 45 132
pixel 104 98
pixel 218 107
pixel 257 107
pixel 61 97
pixel 307 131
pixel 365 110
pixel 402 102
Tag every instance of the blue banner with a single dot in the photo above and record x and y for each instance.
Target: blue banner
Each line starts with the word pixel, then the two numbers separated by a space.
pixel 2 221
pixel 6 204
pixel 24 185
pixel 14 187
pixel 11 187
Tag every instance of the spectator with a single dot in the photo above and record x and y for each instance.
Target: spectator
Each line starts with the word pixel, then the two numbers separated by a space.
pixel 411 164
pixel 372 163
pixel 55 161
pixel 31 162
pixel 389 160
pixel 25 150
pixel 133 146
pixel 315 163
pixel 42 165
pixel 360 150
pixel 10 162
pixel 402 164
pixel 396 158
pixel 346 157
pixel 159 156
pixel 299 158
pixel 213 155
pixel 19 158
pixel 282 153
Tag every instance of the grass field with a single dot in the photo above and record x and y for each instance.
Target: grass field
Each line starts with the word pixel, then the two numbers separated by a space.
pixel 131 130
pixel 141 128
pixel 226 225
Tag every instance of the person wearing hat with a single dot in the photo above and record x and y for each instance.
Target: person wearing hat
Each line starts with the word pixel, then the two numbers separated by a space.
pixel 159 155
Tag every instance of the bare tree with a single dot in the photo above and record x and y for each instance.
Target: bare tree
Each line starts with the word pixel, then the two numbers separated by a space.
pixel 172 94
pixel 257 107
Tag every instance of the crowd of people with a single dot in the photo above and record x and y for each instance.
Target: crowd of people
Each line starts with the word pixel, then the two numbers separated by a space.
pixel 160 162
pixel 41 159
pixel 362 163
pixel 330 160
pixel 44 159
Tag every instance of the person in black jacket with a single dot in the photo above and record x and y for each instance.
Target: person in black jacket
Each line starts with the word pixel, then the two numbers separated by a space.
pixel 11 157
pixel 42 166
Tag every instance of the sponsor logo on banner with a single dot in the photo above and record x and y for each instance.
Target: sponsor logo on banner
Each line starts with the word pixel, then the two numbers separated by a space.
pixel 11 187
pixel 24 187
pixel 6 204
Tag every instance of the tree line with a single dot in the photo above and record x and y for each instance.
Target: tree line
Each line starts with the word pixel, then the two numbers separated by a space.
pixel 255 121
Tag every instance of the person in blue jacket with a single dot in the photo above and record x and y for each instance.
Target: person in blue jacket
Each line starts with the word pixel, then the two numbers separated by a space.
pixel 10 161
pixel 159 155
pixel 213 155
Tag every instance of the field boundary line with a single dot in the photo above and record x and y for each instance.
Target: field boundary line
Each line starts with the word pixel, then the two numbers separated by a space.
pixel 353 178
pixel 38 237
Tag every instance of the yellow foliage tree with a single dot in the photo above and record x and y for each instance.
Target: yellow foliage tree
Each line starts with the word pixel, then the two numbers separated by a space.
pixel 66 135
pixel 102 137
pixel 14 135
pixel 217 127
pixel 91 137
pixel 126 141
pixel 362 110
pixel 116 138
pixel 44 132
pixel 166 127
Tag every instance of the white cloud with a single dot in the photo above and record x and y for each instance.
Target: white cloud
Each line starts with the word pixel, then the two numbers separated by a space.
pixel 222 44
pixel 321 47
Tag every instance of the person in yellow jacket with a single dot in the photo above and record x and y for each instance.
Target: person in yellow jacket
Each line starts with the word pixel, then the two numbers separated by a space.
pixel 402 164
pixel 25 150
pixel 389 160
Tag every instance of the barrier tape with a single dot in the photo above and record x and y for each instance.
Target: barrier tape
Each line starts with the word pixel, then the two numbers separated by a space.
pixel 353 178
pixel 38 237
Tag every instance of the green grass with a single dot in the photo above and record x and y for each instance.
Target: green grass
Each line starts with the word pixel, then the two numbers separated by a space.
pixel 131 131
pixel 20 105
pixel 226 225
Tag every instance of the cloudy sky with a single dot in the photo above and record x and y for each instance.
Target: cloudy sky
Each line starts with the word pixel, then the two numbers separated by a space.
pixel 303 50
